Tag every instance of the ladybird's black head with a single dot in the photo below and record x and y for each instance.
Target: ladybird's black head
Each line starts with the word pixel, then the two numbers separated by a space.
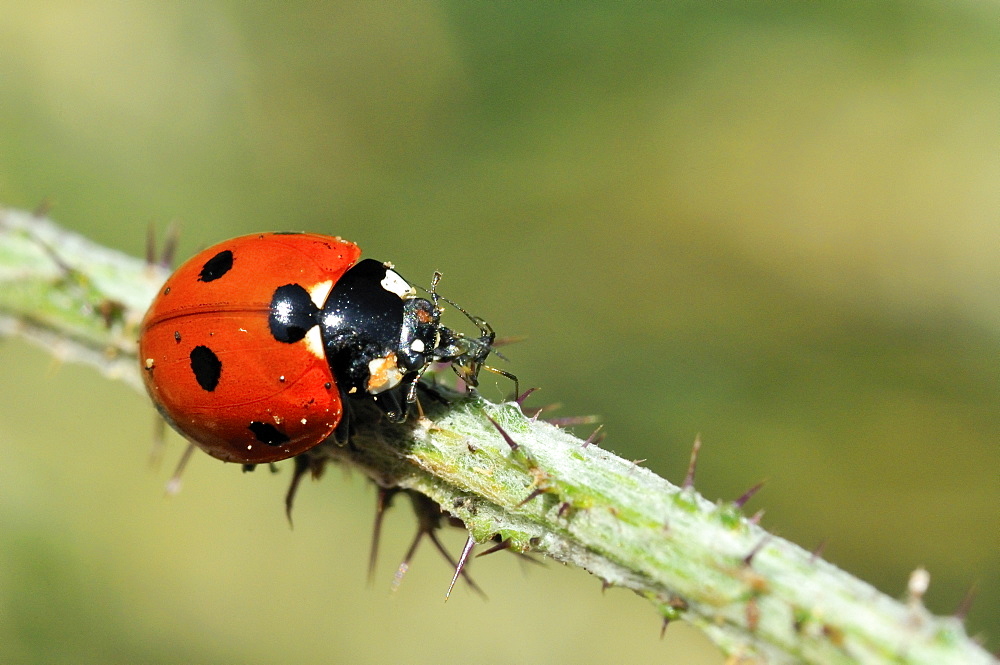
pixel 420 335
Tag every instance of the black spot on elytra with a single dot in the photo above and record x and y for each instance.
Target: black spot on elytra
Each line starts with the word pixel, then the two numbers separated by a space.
pixel 268 434
pixel 177 336
pixel 206 367
pixel 293 313
pixel 216 267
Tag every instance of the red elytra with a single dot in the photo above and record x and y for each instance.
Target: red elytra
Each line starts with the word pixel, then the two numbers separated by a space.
pixel 212 364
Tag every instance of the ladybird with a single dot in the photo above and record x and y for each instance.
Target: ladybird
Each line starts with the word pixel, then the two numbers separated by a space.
pixel 255 347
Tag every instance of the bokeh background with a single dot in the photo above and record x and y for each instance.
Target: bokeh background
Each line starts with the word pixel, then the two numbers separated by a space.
pixel 775 224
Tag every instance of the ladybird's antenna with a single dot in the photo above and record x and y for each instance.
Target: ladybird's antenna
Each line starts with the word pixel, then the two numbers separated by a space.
pixel 484 342
pixel 484 327
pixel 433 290
pixel 487 339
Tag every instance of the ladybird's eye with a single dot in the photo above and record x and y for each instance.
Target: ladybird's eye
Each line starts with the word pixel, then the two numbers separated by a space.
pixel 216 267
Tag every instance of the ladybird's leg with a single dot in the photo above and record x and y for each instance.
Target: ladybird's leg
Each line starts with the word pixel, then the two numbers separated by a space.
pixel 344 432
pixel 392 402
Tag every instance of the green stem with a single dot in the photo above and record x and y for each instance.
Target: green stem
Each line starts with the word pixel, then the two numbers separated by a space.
pixel 759 597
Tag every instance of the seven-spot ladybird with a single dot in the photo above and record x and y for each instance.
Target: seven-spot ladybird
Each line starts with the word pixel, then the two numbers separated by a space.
pixel 254 348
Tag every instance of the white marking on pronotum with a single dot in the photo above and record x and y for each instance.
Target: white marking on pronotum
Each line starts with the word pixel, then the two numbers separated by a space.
pixel 320 292
pixel 394 283
pixel 314 342
pixel 417 346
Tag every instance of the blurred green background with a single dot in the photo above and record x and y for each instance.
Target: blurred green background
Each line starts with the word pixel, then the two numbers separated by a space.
pixel 775 225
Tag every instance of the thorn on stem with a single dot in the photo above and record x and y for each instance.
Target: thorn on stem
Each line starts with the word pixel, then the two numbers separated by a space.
pixel 507 544
pixel 170 238
pixel 534 412
pixel 742 501
pixel 383 501
pixel 404 565
pixel 663 627
pixel 756 517
pixel 303 464
pixel 170 241
pixel 506 437
pixel 150 244
pixel 524 396
pixel 159 442
pixel 818 552
pixel 595 437
pixel 692 465
pixel 43 208
pixel 174 484
pixel 572 421
pixel 470 542
pixel 748 559
pixel 429 516
pixel 962 611
pixel 504 544
pixel 534 494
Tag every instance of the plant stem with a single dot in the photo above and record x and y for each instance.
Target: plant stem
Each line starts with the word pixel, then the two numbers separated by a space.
pixel 526 482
